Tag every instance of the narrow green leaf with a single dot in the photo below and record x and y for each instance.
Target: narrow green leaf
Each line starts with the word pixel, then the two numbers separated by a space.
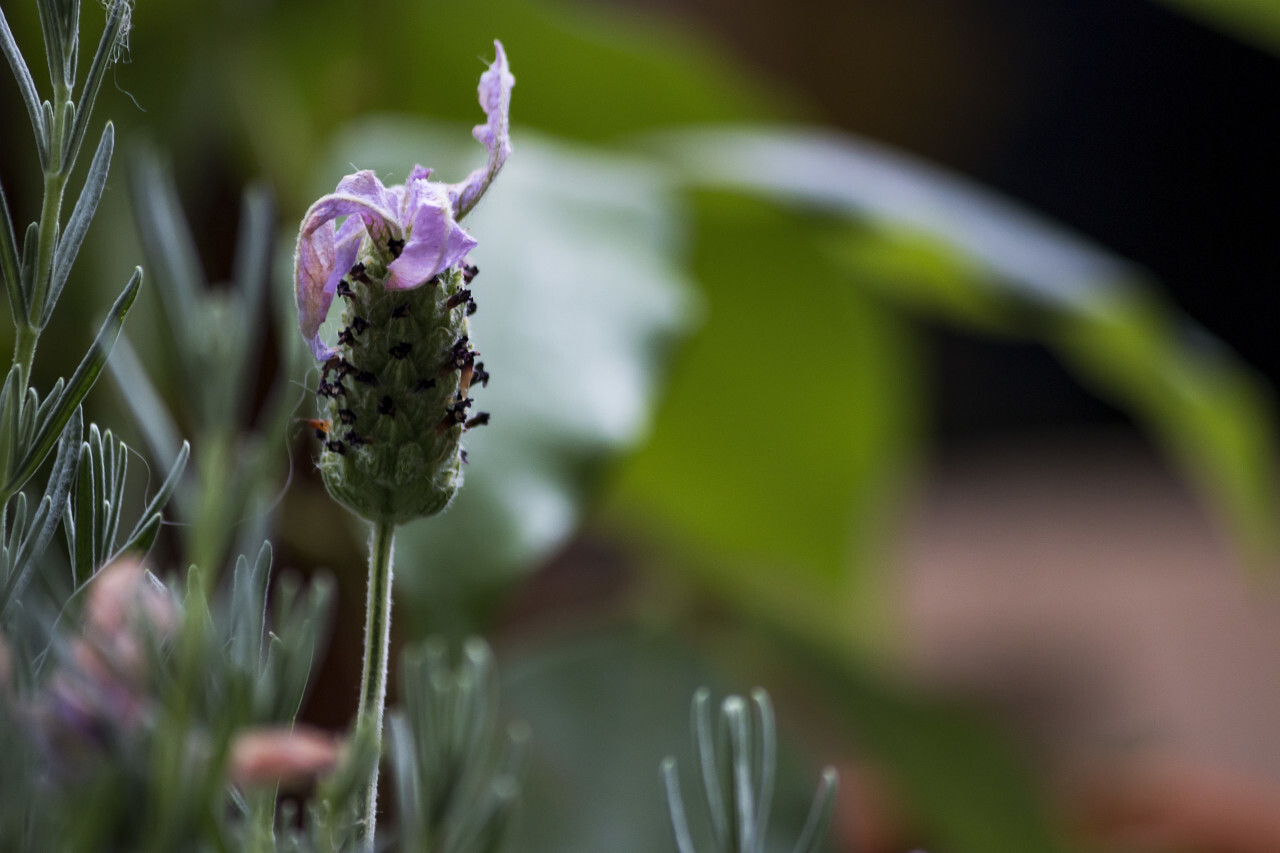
pixel 675 805
pixel 52 41
pixel 28 418
pixel 9 264
pixel 81 216
pixel 19 524
pixel 93 81
pixel 169 246
pixel 69 529
pixel 815 826
pixel 19 554
pixel 49 514
pixel 118 454
pixel 405 773
pixel 10 406
pixel 5 550
pixel 249 609
pixel 85 517
pixel 137 390
pixel 161 498
pixel 27 269
pixel 26 86
pixel 144 535
pixel 765 755
pixel 242 608
pixel 70 27
pixel 86 374
pixel 42 411
pixel 254 245
pixel 708 773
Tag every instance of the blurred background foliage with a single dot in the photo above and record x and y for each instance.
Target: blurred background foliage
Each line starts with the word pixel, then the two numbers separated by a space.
pixel 710 330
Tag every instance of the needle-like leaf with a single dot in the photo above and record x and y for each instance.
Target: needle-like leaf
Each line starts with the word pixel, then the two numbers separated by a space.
pixel 81 381
pixel 81 216
pixel 26 86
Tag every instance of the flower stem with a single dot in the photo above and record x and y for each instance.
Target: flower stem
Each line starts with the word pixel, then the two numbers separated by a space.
pixel 377 641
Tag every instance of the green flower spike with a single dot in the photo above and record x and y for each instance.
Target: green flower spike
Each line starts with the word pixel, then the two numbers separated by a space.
pixel 395 389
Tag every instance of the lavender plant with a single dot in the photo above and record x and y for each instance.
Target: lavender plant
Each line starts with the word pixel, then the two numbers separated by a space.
pixel 85 488
pixel 736 762
pixel 118 699
pixel 164 714
pixel 211 337
pixel 395 386
pixel 456 784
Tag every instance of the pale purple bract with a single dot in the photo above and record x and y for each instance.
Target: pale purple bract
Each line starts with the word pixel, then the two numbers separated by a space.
pixel 421 212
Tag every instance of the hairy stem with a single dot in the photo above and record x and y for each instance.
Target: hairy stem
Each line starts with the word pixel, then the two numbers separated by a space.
pixel 377 640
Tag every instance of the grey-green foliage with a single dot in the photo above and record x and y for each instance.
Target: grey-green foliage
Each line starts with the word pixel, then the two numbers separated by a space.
pixel 93 510
pixel 27 538
pixel 142 761
pixel 86 485
pixel 260 649
pixel 456 776
pixel 211 339
pixel 736 763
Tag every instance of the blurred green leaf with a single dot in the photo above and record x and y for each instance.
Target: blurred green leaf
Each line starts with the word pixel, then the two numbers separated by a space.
pixel 206 359
pixel 580 295
pixel 140 395
pixel 1254 21
pixel 144 532
pixel 933 242
pixel 1212 413
pixel 789 420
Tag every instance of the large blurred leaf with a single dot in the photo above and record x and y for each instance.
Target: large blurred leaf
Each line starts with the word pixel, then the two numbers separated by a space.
pixel 936 243
pixel 788 420
pixel 579 296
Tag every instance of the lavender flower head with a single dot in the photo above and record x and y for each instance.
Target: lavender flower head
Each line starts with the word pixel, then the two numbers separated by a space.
pixel 395 384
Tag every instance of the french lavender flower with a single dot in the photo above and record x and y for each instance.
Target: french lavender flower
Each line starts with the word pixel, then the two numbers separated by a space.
pixel 395 385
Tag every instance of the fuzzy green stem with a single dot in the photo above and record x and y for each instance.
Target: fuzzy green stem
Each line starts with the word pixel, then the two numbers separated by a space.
pixel 377 642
